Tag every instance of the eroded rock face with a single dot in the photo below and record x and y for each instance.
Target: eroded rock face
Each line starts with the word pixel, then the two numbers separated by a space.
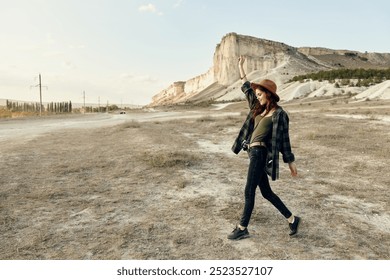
pixel 181 91
pixel 200 82
pixel 260 55
pixel 264 58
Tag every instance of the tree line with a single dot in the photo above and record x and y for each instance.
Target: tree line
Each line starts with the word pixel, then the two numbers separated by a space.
pixel 365 77
pixel 53 107
pixel 90 109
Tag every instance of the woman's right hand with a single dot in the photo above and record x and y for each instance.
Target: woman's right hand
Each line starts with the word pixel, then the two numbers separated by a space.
pixel 241 60
pixel 293 169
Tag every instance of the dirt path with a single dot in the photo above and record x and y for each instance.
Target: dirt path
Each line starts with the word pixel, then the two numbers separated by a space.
pixel 27 129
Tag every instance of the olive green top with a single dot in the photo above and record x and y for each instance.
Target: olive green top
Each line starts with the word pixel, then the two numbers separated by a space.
pixel 262 129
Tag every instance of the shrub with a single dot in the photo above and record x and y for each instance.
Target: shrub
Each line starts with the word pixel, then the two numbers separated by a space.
pixel 167 159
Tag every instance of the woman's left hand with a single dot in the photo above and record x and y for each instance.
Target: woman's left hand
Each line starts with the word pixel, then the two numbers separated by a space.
pixel 293 169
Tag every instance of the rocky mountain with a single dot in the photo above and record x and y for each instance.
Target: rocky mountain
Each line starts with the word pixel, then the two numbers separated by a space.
pixel 266 59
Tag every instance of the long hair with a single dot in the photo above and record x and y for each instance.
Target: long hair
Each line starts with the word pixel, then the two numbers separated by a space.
pixel 271 104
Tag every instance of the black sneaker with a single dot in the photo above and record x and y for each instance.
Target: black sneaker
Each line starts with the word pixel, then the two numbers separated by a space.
pixel 238 234
pixel 294 226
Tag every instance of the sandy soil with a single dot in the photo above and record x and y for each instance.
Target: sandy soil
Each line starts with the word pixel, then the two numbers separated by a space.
pixel 165 185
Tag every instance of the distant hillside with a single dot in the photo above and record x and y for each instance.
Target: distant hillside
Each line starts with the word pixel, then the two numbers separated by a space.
pixel 267 59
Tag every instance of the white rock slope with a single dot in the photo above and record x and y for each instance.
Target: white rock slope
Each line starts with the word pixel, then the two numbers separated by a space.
pixel 273 60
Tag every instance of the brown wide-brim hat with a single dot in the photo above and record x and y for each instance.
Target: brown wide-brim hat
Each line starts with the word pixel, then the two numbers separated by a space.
pixel 268 85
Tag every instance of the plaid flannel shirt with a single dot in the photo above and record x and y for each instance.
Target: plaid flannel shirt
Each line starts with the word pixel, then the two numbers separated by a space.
pixel 280 141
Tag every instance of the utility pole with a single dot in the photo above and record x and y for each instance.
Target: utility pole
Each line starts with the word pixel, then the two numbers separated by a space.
pixel 84 100
pixel 40 94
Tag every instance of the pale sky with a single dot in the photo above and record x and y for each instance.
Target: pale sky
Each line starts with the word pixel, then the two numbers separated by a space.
pixel 126 51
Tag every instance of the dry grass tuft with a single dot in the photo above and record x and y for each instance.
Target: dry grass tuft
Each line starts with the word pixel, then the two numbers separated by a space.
pixel 167 159
pixel 130 124
pixel 5 113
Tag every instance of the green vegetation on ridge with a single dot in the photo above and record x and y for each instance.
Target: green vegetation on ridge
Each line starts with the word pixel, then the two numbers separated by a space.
pixel 365 77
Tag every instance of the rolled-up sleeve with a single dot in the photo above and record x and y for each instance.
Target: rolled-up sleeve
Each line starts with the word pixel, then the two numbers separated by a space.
pixel 250 94
pixel 285 148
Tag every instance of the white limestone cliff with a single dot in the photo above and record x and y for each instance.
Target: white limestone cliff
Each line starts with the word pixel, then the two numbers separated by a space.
pixel 260 54
pixel 264 59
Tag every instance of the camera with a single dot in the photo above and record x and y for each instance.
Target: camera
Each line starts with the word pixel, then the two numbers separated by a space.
pixel 244 145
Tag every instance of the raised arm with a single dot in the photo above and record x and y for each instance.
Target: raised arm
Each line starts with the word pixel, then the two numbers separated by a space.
pixel 241 61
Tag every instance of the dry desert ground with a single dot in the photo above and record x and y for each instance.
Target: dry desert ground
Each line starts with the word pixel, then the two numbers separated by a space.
pixel 165 185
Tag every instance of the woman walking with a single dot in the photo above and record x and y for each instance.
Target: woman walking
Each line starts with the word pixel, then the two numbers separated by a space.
pixel 264 134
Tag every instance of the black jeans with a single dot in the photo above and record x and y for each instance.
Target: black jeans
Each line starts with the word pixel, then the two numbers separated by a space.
pixel 258 177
